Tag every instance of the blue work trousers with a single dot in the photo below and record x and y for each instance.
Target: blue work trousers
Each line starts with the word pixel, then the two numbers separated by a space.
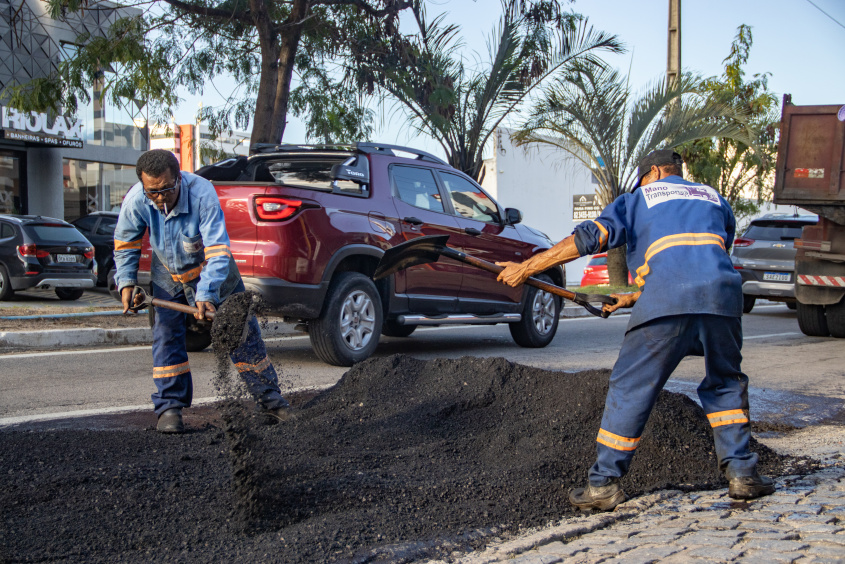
pixel 172 372
pixel 649 355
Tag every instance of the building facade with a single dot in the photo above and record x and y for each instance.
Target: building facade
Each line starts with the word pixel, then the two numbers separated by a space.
pixel 195 146
pixel 63 166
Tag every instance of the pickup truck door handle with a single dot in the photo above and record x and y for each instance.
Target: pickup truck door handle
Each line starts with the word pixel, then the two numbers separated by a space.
pixel 472 231
pixel 413 220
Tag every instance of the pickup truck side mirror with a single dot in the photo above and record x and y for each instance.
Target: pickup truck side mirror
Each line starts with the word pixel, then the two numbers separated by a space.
pixel 512 216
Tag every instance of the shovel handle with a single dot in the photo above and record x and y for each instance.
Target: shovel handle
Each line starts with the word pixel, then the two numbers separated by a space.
pixel 577 297
pixel 147 300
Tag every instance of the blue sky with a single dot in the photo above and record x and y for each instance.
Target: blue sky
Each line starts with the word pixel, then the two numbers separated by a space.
pixel 794 40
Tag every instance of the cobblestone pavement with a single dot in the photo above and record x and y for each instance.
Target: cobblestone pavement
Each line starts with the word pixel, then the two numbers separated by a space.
pixel 802 522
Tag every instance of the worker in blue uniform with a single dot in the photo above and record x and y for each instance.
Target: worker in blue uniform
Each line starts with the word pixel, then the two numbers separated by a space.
pixel 689 303
pixel 191 264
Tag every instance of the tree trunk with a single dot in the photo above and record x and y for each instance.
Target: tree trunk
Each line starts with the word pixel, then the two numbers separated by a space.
pixel 617 266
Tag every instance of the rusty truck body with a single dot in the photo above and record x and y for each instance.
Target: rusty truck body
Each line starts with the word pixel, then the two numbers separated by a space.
pixel 810 173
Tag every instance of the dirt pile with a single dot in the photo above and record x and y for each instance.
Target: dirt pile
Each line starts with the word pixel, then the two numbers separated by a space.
pixel 401 459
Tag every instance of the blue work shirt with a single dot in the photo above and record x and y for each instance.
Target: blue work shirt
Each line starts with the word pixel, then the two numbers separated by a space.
pixel 190 245
pixel 678 234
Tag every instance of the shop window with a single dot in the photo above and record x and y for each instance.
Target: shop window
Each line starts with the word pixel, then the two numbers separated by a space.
pixel 90 186
pixel 11 179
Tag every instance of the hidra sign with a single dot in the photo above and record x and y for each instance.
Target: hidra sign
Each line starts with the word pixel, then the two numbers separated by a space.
pixel 37 128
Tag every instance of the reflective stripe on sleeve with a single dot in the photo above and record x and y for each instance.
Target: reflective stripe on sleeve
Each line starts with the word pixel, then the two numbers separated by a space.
pixel 217 251
pixel 681 239
pixel 258 367
pixel 616 442
pixel 727 417
pixel 171 371
pixel 603 235
pixel 126 245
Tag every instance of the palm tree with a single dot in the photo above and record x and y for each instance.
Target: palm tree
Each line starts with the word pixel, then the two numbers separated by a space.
pixel 591 113
pixel 461 106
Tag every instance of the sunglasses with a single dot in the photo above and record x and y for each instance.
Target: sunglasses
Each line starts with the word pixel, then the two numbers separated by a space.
pixel 153 193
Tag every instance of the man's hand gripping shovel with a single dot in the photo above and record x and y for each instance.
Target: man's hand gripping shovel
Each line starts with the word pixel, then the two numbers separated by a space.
pixel 424 250
pixel 140 299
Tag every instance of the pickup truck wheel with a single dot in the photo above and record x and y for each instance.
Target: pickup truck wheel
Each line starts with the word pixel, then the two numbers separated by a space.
pixel 812 321
pixel 748 303
pixel 836 319
pixel 348 329
pixel 6 291
pixel 393 329
pixel 539 318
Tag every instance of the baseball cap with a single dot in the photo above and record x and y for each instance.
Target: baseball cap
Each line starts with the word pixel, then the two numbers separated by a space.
pixel 660 157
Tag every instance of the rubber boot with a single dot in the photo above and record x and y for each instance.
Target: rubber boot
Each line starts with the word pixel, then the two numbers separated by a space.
pixel 170 421
pixel 602 498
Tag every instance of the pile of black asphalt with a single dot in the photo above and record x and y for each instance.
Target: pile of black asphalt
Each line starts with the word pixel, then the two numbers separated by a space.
pixel 402 459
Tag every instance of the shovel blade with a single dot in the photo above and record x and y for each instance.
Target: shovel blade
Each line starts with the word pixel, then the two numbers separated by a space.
pixel 422 250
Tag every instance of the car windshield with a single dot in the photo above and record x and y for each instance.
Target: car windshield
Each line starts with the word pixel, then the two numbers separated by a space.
pixel 53 232
pixel 774 231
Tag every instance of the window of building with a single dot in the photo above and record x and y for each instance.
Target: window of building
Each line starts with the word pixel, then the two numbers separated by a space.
pixel 90 186
pixel 11 182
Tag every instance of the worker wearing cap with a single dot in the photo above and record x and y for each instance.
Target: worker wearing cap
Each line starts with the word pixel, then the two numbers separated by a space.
pixel 690 303
pixel 191 264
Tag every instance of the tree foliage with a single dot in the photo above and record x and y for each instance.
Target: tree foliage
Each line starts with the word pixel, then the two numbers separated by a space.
pixel 259 45
pixel 591 113
pixel 741 173
pixel 460 104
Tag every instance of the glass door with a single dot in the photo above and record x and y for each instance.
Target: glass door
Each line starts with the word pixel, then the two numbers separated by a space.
pixel 12 182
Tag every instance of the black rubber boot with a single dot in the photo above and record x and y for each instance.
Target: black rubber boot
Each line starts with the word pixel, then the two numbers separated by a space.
pixel 602 498
pixel 278 415
pixel 750 487
pixel 170 421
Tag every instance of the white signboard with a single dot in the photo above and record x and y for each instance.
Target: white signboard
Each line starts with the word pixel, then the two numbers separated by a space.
pixel 37 127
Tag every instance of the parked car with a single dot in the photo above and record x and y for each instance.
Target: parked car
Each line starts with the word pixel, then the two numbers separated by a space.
pixel 98 227
pixel 43 252
pixel 308 225
pixel 765 257
pixel 595 273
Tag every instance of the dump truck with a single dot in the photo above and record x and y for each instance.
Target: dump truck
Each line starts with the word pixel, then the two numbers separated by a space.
pixel 810 174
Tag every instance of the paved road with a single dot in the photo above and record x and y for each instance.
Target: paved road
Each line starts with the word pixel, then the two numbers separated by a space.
pixel 794 376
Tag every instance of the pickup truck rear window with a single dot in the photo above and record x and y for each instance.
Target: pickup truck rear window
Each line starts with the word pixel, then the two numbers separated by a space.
pixel 312 174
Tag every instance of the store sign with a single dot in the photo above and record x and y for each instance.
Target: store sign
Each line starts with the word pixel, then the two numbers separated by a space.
pixel 585 206
pixel 38 128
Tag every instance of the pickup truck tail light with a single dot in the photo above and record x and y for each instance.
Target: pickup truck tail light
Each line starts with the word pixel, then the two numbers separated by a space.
pixel 275 208
pixel 742 242
pixel 32 251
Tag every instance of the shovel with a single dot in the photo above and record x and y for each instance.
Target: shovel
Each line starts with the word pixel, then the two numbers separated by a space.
pixel 425 250
pixel 147 300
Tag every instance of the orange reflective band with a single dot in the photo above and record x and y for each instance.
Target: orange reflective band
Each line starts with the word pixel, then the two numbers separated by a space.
pixel 126 245
pixel 258 367
pixel 681 239
pixel 603 236
pixel 727 417
pixel 217 251
pixel 171 371
pixel 616 442
pixel 192 274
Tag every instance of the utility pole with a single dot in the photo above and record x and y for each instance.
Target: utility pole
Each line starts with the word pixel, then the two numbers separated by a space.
pixel 673 51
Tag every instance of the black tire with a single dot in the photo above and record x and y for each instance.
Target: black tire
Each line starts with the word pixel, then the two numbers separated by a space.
pixel 197 337
pixel 6 291
pixel 811 320
pixel 540 318
pixel 349 326
pixel 390 328
pixel 792 305
pixel 69 293
pixel 836 319
pixel 748 303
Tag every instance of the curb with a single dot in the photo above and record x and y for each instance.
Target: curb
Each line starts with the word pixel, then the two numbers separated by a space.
pixel 59 338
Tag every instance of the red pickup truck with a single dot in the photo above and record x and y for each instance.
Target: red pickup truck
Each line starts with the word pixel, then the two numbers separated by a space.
pixel 309 223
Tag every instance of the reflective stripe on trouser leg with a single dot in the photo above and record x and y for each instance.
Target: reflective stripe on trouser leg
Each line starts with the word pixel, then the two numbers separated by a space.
pixel 724 394
pixel 648 356
pixel 257 371
pixel 171 371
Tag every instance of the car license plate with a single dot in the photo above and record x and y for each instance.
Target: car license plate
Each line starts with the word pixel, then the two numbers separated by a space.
pixel 777 276
pixel 66 258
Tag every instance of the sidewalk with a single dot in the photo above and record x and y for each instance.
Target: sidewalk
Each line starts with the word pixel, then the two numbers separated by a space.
pixel 802 522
